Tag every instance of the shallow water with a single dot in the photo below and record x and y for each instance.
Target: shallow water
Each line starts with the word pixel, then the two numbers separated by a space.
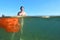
pixel 35 28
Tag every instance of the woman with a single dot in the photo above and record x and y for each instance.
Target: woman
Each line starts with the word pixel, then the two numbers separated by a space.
pixel 21 13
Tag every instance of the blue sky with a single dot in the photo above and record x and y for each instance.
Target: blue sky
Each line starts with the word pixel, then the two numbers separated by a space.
pixel 32 7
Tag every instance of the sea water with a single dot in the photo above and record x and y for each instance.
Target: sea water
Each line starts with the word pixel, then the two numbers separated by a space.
pixel 35 28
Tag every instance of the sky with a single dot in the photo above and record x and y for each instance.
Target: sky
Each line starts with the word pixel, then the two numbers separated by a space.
pixel 32 7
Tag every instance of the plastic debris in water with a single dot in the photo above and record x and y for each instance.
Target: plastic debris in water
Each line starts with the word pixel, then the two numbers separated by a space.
pixel 10 24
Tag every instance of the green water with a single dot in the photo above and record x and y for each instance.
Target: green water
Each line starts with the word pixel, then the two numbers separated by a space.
pixel 35 28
